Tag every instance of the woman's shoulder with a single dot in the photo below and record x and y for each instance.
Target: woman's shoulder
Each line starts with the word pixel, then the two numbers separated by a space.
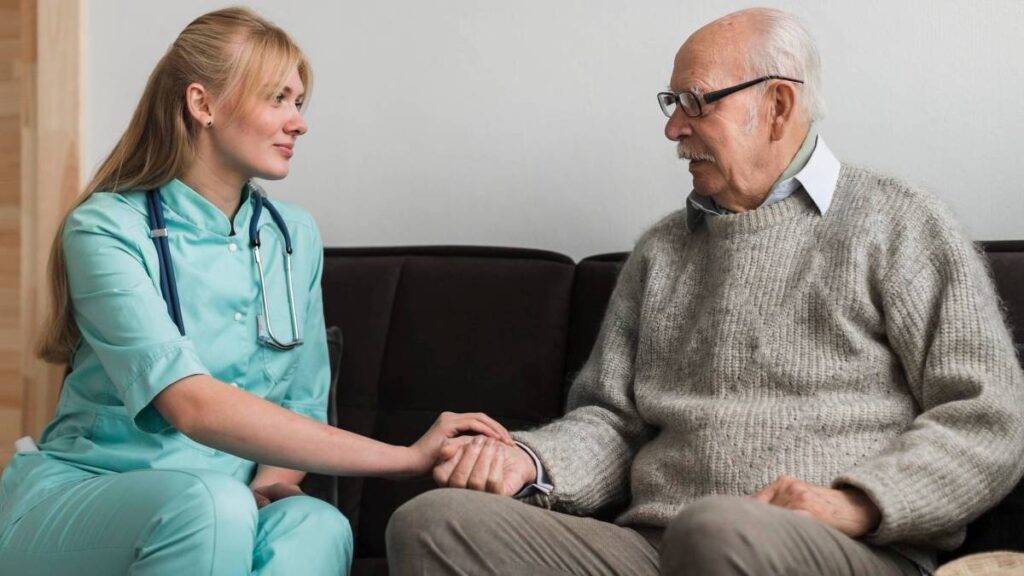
pixel 121 213
pixel 297 216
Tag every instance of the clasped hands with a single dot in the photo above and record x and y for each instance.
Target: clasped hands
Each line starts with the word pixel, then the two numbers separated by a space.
pixel 415 460
pixel 487 465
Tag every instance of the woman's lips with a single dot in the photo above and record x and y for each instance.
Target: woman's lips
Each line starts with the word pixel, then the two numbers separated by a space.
pixel 285 151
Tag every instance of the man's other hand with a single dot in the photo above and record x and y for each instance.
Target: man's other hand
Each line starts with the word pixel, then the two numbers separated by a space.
pixel 848 510
pixel 482 464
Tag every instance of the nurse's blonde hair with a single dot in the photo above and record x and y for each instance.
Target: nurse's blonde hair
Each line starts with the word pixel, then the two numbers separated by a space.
pixel 231 53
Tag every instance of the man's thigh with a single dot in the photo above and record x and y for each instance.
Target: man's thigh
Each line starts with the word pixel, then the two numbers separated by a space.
pixel 450 531
pixel 730 535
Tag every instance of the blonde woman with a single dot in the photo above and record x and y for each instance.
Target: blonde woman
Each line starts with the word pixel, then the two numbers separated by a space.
pixel 188 307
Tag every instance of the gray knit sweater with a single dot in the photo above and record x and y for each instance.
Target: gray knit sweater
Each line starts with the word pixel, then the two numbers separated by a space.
pixel 861 347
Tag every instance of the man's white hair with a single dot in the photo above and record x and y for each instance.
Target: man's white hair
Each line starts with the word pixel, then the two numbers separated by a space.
pixel 786 48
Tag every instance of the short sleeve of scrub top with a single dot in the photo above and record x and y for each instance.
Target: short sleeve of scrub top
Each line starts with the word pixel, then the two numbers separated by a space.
pixel 120 313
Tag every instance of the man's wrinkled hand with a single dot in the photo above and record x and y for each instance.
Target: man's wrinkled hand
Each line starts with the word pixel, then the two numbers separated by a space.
pixel 848 510
pixel 264 495
pixel 483 464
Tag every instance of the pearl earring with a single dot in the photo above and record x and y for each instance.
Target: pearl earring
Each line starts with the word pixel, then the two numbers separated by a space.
pixel 209 123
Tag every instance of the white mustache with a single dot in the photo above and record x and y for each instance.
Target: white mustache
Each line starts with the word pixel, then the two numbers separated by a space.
pixel 687 154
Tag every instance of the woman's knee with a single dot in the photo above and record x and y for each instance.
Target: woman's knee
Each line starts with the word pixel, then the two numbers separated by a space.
pixel 206 519
pixel 313 516
pixel 218 499
pixel 301 530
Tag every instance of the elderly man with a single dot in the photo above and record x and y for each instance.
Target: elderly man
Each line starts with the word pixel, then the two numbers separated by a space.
pixel 803 372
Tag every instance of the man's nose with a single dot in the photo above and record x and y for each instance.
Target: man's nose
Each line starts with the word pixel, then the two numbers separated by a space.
pixel 678 125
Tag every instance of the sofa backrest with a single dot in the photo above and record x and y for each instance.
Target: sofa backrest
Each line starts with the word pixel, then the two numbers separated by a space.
pixel 503 331
pixel 433 329
pixel 595 280
pixel 1000 527
pixel 1006 258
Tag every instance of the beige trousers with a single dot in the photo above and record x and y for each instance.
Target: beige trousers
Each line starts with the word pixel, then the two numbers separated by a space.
pixel 450 531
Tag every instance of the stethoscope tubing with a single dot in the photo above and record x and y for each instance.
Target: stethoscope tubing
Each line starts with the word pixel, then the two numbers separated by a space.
pixel 169 287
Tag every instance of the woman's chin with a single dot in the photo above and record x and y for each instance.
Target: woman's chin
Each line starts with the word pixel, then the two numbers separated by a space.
pixel 275 174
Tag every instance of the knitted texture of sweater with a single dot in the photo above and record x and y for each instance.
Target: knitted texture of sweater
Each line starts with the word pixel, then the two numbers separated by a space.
pixel 862 347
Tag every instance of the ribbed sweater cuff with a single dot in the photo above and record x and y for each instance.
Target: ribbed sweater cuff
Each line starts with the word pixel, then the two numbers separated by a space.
pixel 896 511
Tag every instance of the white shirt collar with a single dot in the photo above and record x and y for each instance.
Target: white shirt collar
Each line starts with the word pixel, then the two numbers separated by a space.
pixel 819 176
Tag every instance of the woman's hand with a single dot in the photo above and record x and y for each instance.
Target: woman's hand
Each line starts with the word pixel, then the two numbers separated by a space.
pixel 273 492
pixel 426 452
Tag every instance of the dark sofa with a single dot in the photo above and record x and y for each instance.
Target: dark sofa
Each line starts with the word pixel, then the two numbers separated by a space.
pixel 502 331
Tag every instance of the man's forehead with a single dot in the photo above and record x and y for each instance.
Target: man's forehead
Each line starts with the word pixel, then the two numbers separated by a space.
pixel 695 73
pixel 703 62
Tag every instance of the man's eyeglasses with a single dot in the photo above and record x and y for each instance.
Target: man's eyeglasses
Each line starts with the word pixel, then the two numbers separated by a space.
pixel 691 102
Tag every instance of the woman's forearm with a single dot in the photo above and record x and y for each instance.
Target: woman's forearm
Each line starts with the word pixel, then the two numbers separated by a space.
pixel 234 421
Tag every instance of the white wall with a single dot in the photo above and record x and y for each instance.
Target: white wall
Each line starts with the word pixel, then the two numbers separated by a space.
pixel 533 123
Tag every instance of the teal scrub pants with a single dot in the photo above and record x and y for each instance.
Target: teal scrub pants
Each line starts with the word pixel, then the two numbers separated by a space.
pixel 174 522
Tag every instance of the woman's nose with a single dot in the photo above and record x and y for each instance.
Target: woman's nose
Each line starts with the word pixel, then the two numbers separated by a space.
pixel 297 125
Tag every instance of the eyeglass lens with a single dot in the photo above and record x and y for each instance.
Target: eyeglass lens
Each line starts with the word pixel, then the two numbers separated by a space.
pixel 669 101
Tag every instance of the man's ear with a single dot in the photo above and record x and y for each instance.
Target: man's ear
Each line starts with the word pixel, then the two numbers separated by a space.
pixel 200 103
pixel 783 108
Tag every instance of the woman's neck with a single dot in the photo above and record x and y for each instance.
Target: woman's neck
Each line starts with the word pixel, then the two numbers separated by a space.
pixel 223 191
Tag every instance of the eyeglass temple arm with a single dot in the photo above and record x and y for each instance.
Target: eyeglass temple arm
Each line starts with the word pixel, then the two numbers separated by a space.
pixel 719 94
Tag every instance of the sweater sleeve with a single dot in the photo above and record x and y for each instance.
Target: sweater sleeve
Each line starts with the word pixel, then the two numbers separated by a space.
pixel 587 453
pixel 965 450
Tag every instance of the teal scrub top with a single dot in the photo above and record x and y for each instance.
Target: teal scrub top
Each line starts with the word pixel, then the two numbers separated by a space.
pixel 131 350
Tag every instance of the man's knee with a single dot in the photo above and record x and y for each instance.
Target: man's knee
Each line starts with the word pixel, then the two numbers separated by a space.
pixel 712 533
pixel 428 514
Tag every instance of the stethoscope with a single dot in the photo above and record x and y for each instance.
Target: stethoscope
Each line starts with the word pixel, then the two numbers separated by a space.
pixel 169 288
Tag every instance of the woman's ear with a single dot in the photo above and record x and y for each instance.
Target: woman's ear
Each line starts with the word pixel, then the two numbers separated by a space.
pixel 200 104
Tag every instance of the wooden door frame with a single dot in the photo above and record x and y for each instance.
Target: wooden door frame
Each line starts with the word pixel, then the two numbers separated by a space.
pixel 50 181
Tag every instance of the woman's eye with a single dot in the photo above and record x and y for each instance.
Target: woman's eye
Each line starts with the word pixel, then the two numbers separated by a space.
pixel 279 98
pixel 298 104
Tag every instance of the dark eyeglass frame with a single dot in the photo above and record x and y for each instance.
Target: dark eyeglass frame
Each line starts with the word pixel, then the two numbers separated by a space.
pixel 665 99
